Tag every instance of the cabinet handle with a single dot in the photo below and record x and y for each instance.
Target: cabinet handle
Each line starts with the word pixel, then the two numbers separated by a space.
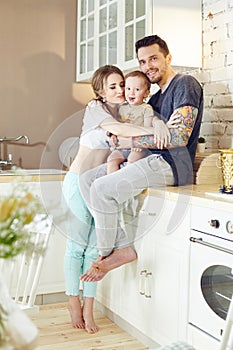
pixel 142 282
pixel 148 285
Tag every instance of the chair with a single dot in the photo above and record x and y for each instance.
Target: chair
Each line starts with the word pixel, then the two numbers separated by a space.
pixel 178 345
pixel 21 274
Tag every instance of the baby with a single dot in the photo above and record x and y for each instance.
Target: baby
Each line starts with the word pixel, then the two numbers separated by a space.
pixel 134 111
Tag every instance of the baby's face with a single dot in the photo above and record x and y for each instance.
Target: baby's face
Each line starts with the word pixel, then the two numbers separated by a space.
pixel 135 90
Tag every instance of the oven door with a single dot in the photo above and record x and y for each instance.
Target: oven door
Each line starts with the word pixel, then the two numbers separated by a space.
pixel 211 283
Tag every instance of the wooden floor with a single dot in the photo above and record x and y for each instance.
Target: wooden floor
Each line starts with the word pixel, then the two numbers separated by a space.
pixel 56 332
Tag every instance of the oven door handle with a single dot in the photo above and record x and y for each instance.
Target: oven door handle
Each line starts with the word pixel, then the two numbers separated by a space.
pixel 200 241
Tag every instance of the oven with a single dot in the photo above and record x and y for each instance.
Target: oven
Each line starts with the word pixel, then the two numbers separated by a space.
pixel 211 273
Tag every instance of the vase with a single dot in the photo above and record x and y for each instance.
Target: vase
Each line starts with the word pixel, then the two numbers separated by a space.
pixel 201 147
pixel 226 159
pixel 18 332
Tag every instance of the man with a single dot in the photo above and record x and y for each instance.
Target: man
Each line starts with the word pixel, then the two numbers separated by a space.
pixel 180 98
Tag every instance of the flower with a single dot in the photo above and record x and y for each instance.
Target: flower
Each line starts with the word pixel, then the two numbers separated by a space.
pixel 17 210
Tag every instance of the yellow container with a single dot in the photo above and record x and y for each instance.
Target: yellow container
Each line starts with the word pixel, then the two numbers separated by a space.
pixel 226 160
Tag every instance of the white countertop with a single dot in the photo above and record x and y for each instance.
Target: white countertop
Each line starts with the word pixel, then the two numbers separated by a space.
pixel 33 175
pixel 203 195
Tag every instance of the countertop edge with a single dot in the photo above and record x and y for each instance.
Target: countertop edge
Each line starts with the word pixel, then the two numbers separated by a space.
pixel 32 178
pixel 194 195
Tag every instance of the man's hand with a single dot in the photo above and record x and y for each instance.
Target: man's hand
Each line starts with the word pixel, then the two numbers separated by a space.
pixel 162 134
pixel 113 140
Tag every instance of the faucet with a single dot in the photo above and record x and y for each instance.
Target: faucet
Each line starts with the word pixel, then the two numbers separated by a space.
pixel 13 139
pixel 4 163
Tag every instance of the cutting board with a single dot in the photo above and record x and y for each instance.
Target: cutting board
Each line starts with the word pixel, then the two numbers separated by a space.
pixel 206 169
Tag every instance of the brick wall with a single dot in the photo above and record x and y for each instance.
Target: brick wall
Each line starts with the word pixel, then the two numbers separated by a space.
pixel 217 73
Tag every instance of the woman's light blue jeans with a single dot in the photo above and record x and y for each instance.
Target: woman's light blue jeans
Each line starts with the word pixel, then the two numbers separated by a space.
pixel 81 248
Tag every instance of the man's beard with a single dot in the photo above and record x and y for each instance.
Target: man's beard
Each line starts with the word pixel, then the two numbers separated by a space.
pixel 158 78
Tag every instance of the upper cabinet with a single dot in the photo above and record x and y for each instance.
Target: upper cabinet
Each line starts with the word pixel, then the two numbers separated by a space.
pixel 179 23
pixel 108 29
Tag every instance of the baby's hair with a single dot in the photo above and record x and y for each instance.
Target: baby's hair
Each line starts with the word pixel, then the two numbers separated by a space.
pixel 138 73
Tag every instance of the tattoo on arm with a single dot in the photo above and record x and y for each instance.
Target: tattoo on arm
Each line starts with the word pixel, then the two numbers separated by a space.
pixel 181 134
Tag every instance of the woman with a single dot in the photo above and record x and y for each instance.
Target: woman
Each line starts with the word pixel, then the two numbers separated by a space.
pixel 101 114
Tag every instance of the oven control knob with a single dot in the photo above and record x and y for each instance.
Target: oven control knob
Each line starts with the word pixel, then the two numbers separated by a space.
pixel 214 223
pixel 229 226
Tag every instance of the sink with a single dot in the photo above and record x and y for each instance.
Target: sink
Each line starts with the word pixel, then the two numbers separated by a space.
pixel 24 172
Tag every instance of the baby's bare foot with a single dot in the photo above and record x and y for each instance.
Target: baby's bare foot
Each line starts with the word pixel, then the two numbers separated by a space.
pixel 75 310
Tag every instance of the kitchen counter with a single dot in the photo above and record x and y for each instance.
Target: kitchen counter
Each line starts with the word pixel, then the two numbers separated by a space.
pixel 203 195
pixel 33 175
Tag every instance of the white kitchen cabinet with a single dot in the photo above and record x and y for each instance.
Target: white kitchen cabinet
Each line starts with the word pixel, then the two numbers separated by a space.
pixel 179 23
pixel 152 291
pixel 108 29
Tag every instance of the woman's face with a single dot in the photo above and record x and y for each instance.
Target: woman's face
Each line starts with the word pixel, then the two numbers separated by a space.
pixel 114 89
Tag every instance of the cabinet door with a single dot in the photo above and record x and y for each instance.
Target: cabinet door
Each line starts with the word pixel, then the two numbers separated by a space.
pixel 179 23
pixel 167 305
pixel 86 46
pixel 123 288
pixel 107 31
pixel 137 283
pixel 155 287
pixel 168 246
pixel 97 35
pixel 52 274
pixel 136 23
pixel 110 291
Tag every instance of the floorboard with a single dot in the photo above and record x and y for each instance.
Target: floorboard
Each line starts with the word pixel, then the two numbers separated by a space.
pixel 57 333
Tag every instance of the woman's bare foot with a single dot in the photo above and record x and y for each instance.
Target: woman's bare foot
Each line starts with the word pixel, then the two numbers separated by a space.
pixel 75 310
pixel 103 265
pixel 90 324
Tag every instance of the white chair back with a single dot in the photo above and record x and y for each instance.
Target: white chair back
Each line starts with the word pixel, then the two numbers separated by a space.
pixel 21 274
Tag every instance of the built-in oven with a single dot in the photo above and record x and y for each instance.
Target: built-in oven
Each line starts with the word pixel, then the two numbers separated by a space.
pixel 211 273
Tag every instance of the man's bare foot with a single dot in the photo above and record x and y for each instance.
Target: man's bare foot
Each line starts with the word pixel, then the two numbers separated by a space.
pixel 90 324
pixel 103 265
pixel 75 310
